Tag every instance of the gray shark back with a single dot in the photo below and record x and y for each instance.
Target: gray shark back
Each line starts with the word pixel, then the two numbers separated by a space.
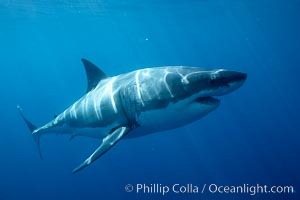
pixel 122 98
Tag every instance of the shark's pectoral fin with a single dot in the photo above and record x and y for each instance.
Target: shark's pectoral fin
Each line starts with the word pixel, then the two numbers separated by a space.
pixel 107 143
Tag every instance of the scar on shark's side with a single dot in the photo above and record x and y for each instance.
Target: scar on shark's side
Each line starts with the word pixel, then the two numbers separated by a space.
pixel 138 103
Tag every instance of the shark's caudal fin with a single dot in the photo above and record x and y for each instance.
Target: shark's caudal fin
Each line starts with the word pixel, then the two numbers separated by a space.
pixel 32 128
pixel 93 73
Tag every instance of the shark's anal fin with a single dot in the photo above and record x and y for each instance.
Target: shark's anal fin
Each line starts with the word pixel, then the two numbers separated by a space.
pixel 93 73
pixel 108 142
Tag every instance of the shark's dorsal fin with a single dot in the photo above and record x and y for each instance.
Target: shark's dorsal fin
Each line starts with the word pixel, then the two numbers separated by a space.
pixel 93 73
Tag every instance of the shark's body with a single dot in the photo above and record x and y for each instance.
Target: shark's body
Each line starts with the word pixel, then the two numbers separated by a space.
pixel 139 103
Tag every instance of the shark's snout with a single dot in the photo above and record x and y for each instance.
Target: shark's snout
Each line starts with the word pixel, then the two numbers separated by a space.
pixel 228 77
pixel 226 81
pixel 213 83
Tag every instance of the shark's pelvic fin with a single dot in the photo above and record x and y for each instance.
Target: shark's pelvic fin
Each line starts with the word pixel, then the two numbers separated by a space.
pixel 32 128
pixel 109 141
pixel 93 73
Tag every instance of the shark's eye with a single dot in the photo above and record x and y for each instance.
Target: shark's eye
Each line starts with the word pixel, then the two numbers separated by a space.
pixel 214 81
pixel 219 82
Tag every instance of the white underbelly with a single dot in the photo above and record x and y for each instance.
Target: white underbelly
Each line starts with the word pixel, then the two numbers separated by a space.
pixel 171 117
pixel 93 132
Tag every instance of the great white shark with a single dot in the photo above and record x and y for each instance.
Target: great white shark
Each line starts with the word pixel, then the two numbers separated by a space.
pixel 138 103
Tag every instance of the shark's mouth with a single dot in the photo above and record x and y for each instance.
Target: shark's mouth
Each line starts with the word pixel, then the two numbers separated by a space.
pixel 207 100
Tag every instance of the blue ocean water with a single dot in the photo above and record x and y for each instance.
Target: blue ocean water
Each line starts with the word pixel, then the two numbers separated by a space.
pixel 252 138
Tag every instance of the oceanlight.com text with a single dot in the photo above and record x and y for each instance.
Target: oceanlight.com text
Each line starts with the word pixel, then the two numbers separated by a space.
pixel 249 189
